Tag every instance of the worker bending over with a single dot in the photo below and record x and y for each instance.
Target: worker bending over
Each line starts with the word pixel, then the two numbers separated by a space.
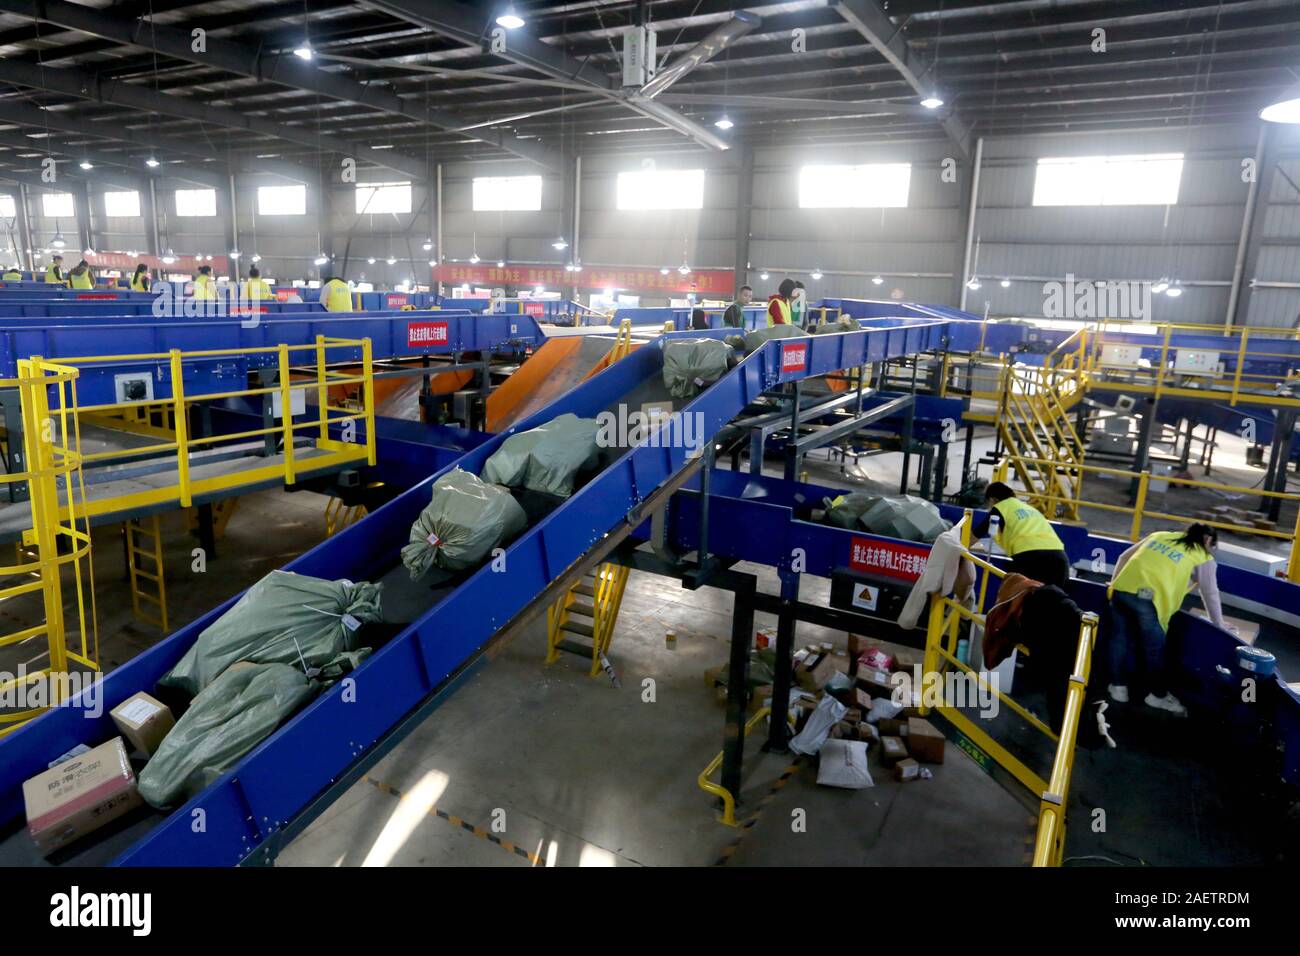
pixel 1148 586
pixel 12 274
pixel 336 295
pixel 54 273
pixel 255 287
pixel 80 276
pixel 778 306
pixel 205 287
pixel 1026 536
pixel 140 278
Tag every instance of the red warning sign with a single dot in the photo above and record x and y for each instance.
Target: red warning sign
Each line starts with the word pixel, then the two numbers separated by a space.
pixel 794 357
pixel 426 333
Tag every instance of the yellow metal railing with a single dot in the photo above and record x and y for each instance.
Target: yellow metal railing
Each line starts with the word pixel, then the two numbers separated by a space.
pixel 51 450
pixel 301 369
pixel 942 634
pixel 718 790
pixel 1140 513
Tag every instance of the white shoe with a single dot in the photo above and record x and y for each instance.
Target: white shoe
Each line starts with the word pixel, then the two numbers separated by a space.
pixel 1118 693
pixel 1169 702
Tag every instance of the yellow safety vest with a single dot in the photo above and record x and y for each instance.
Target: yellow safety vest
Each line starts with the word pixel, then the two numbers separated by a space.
pixel 13 277
pixel 1161 570
pixel 204 287
pixel 338 297
pixel 1024 528
pixel 783 306
pixel 257 289
pixel 82 280
pixel 52 275
pixel 140 283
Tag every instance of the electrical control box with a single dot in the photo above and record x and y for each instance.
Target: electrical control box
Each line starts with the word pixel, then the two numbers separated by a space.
pixel 1196 361
pixel 1121 356
pixel 638 56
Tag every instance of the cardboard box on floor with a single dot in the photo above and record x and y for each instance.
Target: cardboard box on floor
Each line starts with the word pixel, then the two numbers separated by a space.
pixel 924 741
pixel 79 796
pixel 904 657
pixel 143 721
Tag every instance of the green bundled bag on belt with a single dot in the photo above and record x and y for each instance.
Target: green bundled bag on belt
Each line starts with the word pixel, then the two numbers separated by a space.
pixel 284 618
pixel 228 718
pixel 754 340
pixel 692 364
pixel 464 520
pixel 845 323
pixel 546 458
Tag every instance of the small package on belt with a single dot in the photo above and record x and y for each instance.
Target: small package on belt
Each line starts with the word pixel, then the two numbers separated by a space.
pixel 79 796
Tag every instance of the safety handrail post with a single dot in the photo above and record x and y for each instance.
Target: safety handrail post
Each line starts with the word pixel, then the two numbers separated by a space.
pixel 1293 565
pixel 1139 503
pixel 322 389
pixel 286 415
pixel 368 371
pixel 182 427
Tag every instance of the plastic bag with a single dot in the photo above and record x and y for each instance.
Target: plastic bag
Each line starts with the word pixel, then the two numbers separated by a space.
pixel 820 721
pixel 230 717
pixel 546 458
pixel 845 323
pixel 464 520
pixel 692 364
pixel 843 763
pixel 286 618
pixel 895 516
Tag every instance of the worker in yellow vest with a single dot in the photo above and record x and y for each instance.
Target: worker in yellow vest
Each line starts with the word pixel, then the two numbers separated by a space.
pixel 1026 536
pixel 255 287
pixel 205 287
pixel 54 273
pixel 80 276
pixel 778 306
pixel 336 295
pixel 140 278
pixel 1150 581
pixel 12 274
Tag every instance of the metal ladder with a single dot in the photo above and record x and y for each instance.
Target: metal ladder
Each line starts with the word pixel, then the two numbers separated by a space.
pixel 596 598
pixel 138 530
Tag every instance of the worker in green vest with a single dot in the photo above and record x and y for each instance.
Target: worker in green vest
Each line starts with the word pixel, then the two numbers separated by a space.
pixel 336 295
pixel 255 287
pixel 1150 581
pixel 54 273
pixel 205 287
pixel 140 278
pixel 80 276
pixel 778 306
pixel 12 274
pixel 1026 536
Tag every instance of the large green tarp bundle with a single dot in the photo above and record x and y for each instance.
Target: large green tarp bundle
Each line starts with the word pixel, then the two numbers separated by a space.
pixel 692 364
pixel 464 520
pixel 845 323
pixel 896 516
pixel 285 618
pixel 756 338
pixel 228 718
pixel 546 458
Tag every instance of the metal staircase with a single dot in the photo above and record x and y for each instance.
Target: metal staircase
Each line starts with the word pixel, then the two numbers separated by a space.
pixel 582 620
pixel 1043 448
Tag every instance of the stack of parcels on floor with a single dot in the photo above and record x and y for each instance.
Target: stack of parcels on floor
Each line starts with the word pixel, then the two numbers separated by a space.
pixel 287 638
pixel 694 364
pixel 844 707
pixel 894 516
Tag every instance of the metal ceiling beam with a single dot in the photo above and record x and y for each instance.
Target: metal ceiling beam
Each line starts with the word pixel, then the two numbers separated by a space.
pixel 472 25
pixel 86 85
pixel 869 18
pixel 285 69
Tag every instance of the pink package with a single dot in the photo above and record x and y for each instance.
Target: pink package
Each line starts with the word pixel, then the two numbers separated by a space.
pixel 875 657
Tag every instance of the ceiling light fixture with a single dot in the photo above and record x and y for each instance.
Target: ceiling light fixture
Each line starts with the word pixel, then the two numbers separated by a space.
pixel 1005 283
pixel 370 261
pixel 1285 110
pixel 817 273
pixel 878 280
pixel 684 269
pixel 304 51
pixel 391 260
pixel 474 259
pixel 763 276
pixel 510 19
pixel 321 259
pixel 86 164
pixel 560 244
pixel 501 263
pixel 428 244
pixel 932 102
pixel 235 253
pixel 723 122
pixel 974 283
pixel 152 163
pixel 664 271
pixel 1175 290
pixel 255 258
pixel 1160 286
pixel 58 242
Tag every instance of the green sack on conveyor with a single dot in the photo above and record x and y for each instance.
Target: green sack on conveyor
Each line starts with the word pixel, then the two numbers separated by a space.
pixel 546 458
pixel 691 364
pixel 464 520
pixel 845 510
pixel 844 323
pixel 228 718
pixel 284 618
pixel 755 339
